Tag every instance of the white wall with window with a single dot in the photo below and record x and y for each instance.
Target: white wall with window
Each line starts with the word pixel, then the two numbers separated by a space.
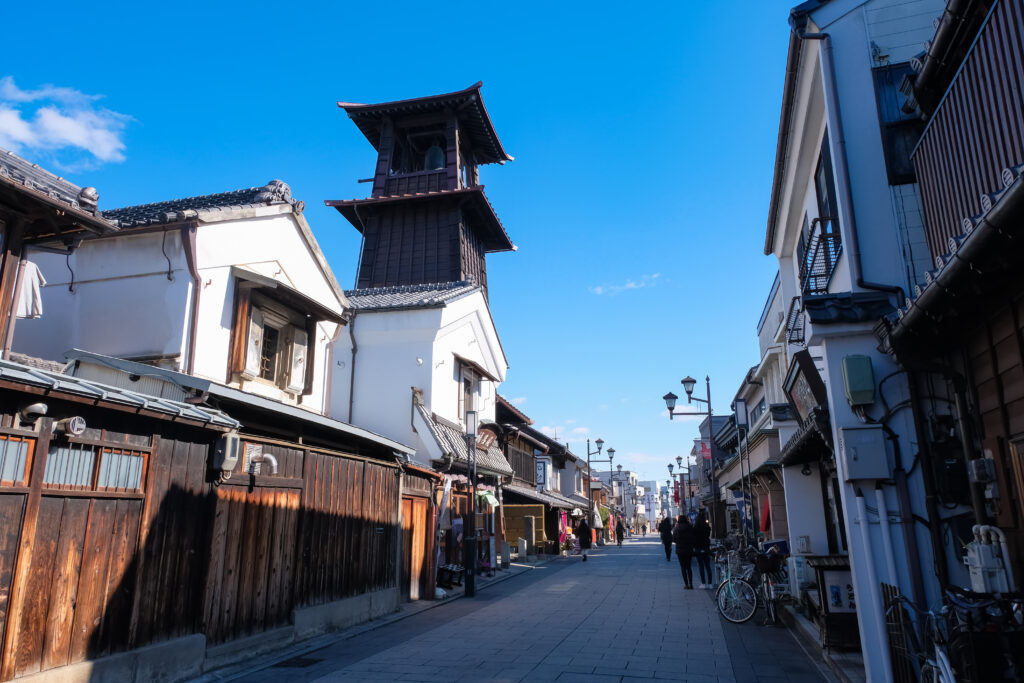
pixel 130 296
pixel 449 351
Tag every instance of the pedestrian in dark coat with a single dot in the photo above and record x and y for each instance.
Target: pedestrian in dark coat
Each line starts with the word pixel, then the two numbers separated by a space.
pixel 685 539
pixel 702 549
pixel 583 533
pixel 620 531
pixel 665 529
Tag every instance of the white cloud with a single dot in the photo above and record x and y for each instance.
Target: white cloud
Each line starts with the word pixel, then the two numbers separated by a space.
pixel 631 284
pixel 517 401
pixel 63 123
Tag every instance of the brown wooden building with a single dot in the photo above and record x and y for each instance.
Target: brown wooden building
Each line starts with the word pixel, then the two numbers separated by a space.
pixel 121 532
pixel 961 333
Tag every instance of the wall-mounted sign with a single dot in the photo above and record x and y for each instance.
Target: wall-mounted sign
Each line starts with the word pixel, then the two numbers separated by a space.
pixel 803 385
pixel 485 439
pixel 542 474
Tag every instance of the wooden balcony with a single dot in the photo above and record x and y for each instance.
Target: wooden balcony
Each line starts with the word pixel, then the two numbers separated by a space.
pixel 977 130
pixel 416 183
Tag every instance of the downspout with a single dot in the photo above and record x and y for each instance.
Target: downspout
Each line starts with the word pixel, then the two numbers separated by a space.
pixel 883 523
pixel 928 479
pixel 875 594
pixel 328 366
pixel 188 243
pixel 352 366
pixel 835 124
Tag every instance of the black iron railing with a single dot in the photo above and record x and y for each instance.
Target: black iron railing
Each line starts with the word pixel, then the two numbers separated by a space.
pixel 819 255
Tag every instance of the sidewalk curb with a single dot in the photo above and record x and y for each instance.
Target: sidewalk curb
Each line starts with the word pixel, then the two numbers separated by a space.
pixel 233 672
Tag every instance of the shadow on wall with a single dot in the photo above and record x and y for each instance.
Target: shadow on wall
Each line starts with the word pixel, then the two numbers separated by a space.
pixel 111 574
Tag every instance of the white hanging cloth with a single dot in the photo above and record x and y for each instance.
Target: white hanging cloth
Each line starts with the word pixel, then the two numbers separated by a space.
pixel 30 299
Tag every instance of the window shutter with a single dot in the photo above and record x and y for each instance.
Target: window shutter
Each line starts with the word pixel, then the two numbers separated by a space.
pixel 297 372
pixel 254 345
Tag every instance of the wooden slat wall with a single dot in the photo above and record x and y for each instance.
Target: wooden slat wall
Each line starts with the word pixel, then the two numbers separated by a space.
pixel 977 131
pixel 411 243
pixel 87 574
pixel 994 358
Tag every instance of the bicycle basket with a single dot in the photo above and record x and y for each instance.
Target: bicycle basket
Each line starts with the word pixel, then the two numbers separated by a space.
pixel 769 563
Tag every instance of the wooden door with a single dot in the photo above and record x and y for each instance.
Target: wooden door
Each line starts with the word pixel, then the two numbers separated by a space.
pixel 415 549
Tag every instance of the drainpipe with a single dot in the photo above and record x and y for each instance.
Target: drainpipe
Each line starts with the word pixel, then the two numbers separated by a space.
pixel 188 243
pixel 966 440
pixel 931 505
pixel 835 125
pixel 352 366
pixel 874 593
pixel 883 524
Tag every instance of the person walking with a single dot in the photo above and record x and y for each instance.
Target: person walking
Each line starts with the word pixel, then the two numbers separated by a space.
pixel 583 533
pixel 643 530
pixel 620 531
pixel 685 538
pixel 665 529
pixel 702 549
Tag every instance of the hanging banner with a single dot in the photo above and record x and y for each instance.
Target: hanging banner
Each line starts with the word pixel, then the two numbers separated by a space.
pixel 675 492
pixel 743 508
pixel 702 447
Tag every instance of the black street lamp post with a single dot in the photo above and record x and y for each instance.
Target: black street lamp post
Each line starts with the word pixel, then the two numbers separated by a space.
pixel 469 535
pixel 590 488
pixel 670 402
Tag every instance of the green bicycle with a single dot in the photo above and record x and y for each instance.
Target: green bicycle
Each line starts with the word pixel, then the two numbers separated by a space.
pixel 735 597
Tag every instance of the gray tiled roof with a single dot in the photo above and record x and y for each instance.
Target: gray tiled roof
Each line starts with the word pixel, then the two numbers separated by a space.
pixel 433 295
pixel 15 169
pixel 452 439
pixel 175 210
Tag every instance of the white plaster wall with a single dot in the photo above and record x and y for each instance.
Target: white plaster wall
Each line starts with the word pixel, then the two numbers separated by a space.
pixel 805 510
pixel 122 304
pixel 401 349
pixel 271 246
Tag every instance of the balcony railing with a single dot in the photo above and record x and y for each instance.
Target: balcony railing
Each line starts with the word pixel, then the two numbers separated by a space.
pixel 820 254
pixel 416 183
pixel 977 130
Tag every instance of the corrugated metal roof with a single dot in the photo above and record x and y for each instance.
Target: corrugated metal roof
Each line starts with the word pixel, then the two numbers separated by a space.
pixel 239 396
pixel 546 497
pixel 451 439
pixel 77 386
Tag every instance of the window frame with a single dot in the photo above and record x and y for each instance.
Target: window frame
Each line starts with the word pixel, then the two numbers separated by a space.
pixel 29 460
pixel 100 450
pixel 256 309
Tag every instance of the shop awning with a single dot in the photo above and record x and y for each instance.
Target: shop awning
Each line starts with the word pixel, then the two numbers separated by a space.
pixel 488 497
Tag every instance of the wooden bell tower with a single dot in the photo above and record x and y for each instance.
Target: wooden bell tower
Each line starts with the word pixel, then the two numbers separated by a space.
pixel 427 219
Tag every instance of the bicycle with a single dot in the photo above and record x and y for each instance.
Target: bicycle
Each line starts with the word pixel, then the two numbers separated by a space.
pixel 927 663
pixel 768 566
pixel 735 597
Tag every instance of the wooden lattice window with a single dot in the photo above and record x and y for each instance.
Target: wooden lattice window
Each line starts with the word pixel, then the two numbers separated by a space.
pixel 89 467
pixel 15 460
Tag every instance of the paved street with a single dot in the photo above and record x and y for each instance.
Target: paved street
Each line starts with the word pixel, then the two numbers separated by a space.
pixel 621 616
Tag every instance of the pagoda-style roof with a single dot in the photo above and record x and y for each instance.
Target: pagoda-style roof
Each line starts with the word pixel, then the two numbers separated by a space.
pixel 474 204
pixel 468 103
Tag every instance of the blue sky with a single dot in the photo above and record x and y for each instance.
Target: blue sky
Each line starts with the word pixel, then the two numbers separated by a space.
pixel 644 140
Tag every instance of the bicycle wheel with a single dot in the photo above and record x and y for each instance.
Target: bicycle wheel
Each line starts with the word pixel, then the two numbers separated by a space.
pixel 737 600
pixel 769 599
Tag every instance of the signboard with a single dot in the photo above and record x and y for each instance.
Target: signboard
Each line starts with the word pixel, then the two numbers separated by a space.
pixel 542 474
pixel 485 439
pixel 839 590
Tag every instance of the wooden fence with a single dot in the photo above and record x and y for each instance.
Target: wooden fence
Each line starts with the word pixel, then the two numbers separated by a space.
pixel 93 563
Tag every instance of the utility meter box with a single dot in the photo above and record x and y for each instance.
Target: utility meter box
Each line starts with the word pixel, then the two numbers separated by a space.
pixel 859 380
pixel 865 453
pixel 225 453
